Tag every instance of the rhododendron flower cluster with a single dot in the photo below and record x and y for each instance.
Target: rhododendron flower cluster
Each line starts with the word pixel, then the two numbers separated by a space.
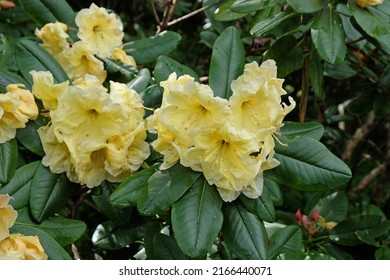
pixel 100 34
pixel 230 141
pixel 16 246
pixel 93 135
pixel 17 106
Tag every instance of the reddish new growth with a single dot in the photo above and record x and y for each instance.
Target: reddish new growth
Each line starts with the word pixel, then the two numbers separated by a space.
pixel 309 225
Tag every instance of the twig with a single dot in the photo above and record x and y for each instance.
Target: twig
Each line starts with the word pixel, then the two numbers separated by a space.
pixel 358 136
pixel 369 177
pixel 75 252
pixel 193 13
pixel 168 13
pixel 155 13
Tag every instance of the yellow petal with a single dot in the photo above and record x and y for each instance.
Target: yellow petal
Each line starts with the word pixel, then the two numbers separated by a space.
pixel 7 216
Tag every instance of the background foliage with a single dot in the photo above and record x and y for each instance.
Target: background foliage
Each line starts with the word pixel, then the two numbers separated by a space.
pixel 334 57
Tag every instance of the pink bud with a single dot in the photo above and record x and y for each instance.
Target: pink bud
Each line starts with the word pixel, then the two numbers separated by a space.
pixel 304 221
pixel 298 215
pixel 315 216
pixel 7 4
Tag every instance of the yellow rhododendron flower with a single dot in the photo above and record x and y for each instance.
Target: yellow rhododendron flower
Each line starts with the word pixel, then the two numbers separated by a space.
pixel 79 61
pixel 54 37
pixel 88 81
pixel 17 106
pixel 95 135
pixel 230 141
pixel 99 30
pixel 366 3
pixel 45 89
pixel 20 247
pixel 7 216
pixel 120 55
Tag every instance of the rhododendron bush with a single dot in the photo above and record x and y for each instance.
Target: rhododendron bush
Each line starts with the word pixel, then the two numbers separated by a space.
pixel 194 129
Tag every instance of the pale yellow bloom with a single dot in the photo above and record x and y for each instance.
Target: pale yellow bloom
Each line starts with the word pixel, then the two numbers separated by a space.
pixel 17 106
pixel 20 247
pixel 54 37
pixel 366 3
pixel 99 30
pixel 45 89
pixel 7 216
pixel 120 55
pixel 79 61
pixel 95 135
pixel 88 81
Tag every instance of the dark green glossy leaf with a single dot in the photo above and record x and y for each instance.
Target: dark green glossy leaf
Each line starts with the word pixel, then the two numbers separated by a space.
pixel 274 190
pixel 64 231
pixel 128 72
pixel 262 206
pixel 48 193
pixel 164 188
pixel 120 216
pixel 106 237
pixel 337 251
pixel 265 27
pixel 227 62
pixel 284 241
pixel 382 253
pixel 287 54
pixel 29 138
pixel 53 250
pixel 7 77
pixel 307 165
pixel 5 51
pixel 304 6
pixel 140 82
pixel 316 73
pixel 197 219
pixel 8 160
pixel 345 232
pixel 339 72
pixel 165 66
pixel 19 186
pixel 244 233
pixel 225 13
pixel 249 6
pixel 128 192
pixel 151 228
pixel 31 56
pixel 374 22
pixel 152 96
pixel 333 208
pixel 313 130
pixel 166 248
pixel 208 37
pixel 148 50
pixel 45 11
pixel 328 36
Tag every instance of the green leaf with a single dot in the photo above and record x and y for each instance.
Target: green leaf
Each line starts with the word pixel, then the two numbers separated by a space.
pixel 345 233
pixel 227 62
pixel 267 27
pixel 262 206
pixel 106 237
pixel 316 75
pixel 287 54
pixel 313 130
pixel 244 233
pixel 29 137
pixel 284 241
pixel 45 11
pixel 53 250
pixel 208 37
pixel 165 248
pixel 140 82
pixel 148 50
pixel 128 72
pixel 224 13
pixel 197 219
pixel 304 6
pixel 336 251
pixel 7 77
pixel 128 192
pixel 249 6
pixel 120 216
pixel 328 36
pixel 307 165
pixel 19 186
pixel 164 188
pixel 8 160
pixel 339 72
pixel 333 208
pixel 274 190
pixel 30 56
pixel 374 22
pixel 5 51
pixel 151 228
pixel 64 231
pixel 48 193
pixel 382 253
pixel 165 66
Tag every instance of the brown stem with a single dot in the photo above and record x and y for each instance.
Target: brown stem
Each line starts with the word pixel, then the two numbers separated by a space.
pixel 168 14
pixel 368 178
pixel 155 12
